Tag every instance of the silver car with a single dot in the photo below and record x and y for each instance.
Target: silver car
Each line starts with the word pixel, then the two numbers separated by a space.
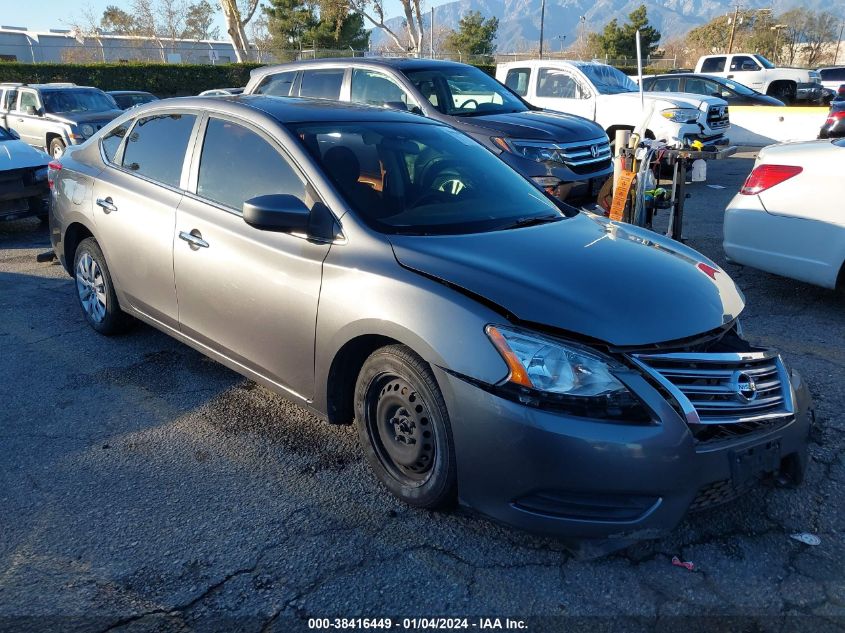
pixel 549 368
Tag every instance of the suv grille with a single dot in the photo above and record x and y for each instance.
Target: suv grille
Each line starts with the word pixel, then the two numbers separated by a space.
pixel 718 117
pixel 724 396
pixel 586 156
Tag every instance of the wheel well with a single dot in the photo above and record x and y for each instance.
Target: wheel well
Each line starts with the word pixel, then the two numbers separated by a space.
pixel 343 373
pixel 50 137
pixel 782 82
pixel 840 278
pixel 75 233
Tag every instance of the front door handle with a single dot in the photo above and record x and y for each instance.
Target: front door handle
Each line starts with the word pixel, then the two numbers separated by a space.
pixel 730 76
pixel 194 239
pixel 107 204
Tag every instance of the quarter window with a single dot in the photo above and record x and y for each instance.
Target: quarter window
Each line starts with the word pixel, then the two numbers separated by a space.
pixel 374 88
pixel 713 65
pixel 9 99
pixel 323 83
pixel 278 85
pixel 517 80
pixel 111 141
pixel 156 147
pixel 238 164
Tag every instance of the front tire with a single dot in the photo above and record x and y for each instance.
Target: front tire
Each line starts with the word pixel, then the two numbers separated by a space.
pixel 57 148
pixel 404 428
pixel 95 290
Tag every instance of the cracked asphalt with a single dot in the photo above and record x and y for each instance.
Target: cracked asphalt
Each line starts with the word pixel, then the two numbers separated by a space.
pixel 144 487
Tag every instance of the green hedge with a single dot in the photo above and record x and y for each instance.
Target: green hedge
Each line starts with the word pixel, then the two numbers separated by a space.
pixel 163 80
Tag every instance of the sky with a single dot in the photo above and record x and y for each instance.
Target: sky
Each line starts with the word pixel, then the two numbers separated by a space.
pixel 42 15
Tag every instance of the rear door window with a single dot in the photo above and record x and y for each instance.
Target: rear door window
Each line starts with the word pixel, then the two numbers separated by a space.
pixel 278 85
pixel 713 65
pixel 517 80
pixel 156 147
pixel 321 83
pixel 238 164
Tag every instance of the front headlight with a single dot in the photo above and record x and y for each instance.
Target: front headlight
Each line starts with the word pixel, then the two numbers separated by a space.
pixel 552 374
pixel 86 130
pixel 680 115
pixel 539 151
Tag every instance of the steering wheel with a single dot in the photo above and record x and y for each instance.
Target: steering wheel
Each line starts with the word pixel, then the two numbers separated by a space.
pixel 468 101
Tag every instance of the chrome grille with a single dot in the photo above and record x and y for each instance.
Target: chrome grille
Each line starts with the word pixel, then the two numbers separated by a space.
pixel 741 390
pixel 718 117
pixel 582 153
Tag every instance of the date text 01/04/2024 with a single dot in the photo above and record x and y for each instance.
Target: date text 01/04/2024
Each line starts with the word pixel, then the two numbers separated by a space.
pixel 412 624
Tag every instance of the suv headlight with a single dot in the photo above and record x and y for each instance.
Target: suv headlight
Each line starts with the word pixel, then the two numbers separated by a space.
pixel 541 151
pixel 680 115
pixel 565 376
pixel 86 130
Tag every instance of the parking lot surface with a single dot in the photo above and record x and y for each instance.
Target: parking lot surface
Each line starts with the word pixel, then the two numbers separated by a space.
pixel 145 487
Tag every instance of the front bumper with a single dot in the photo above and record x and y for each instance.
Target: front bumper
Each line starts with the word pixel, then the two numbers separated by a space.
pixel 22 196
pixel 573 186
pixel 587 481
pixel 808 92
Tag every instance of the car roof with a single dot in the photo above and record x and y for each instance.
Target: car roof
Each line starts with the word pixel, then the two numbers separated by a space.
pixel 128 92
pixel 402 63
pixel 289 109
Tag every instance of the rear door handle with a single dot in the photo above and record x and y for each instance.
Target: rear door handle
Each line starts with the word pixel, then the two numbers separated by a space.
pixel 194 239
pixel 107 204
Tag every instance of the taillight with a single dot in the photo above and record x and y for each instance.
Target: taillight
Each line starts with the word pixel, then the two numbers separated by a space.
pixel 833 117
pixel 765 177
pixel 52 167
pixel 841 90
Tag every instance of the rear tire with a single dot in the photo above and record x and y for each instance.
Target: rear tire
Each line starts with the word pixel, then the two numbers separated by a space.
pixel 95 290
pixel 404 428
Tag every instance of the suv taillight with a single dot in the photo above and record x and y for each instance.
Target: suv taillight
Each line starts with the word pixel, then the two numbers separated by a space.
pixel 833 117
pixel 765 177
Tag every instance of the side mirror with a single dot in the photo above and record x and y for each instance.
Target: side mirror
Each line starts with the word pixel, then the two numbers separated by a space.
pixel 396 105
pixel 277 212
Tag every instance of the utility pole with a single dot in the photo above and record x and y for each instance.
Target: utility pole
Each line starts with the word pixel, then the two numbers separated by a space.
pixel 542 20
pixel 838 41
pixel 431 34
pixel 733 30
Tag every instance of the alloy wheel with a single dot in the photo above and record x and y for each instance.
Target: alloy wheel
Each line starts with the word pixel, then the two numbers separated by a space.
pixel 91 286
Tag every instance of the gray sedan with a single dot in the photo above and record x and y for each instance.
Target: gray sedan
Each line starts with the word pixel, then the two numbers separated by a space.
pixel 494 347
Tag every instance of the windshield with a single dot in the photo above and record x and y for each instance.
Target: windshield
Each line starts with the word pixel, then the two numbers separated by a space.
pixel 77 100
pixel 766 63
pixel 421 179
pixel 464 91
pixel 129 100
pixel 607 79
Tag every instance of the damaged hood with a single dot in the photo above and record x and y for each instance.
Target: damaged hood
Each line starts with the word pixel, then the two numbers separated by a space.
pixel 16 154
pixel 586 275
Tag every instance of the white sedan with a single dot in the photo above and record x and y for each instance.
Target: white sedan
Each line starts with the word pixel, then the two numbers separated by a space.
pixel 789 216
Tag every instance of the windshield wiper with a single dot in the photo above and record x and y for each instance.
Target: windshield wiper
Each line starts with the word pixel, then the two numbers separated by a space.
pixel 530 221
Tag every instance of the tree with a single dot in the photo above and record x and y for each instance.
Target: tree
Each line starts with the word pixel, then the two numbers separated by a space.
pixel 116 20
pixel 475 35
pixel 288 22
pixel 621 41
pixel 296 23
pixel 237 15
pixel 199 21
pixel 373 12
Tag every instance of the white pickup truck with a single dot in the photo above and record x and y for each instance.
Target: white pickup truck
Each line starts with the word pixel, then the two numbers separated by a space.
pixel 755 71
pixel 609 97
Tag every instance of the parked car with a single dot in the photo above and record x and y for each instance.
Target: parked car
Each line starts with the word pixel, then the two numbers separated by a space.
pixel 126 99
pixel 609 97
pixel 832 77
pixel 548 367
pixel 23 179
pixel 834 125
pixel 731 91
pixel 566 155
pixel 757 72
pixel 221 92
pixel 771 225
pixel 56 115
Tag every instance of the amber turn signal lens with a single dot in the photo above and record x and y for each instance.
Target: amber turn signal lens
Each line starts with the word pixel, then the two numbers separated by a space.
pixel 518 373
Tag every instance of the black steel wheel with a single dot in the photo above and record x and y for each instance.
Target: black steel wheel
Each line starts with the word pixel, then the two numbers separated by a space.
pixel 404 427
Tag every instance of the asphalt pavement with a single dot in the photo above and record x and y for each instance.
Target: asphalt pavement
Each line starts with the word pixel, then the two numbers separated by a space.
pixel 145 487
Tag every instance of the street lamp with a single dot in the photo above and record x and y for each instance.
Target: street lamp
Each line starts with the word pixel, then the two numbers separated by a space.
pixel 562 39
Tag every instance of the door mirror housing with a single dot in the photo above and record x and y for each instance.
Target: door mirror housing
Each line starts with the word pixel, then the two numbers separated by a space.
pixel 396 105
pixel 277 212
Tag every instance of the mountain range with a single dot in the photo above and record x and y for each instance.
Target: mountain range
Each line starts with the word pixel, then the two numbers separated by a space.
pixel 519 20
